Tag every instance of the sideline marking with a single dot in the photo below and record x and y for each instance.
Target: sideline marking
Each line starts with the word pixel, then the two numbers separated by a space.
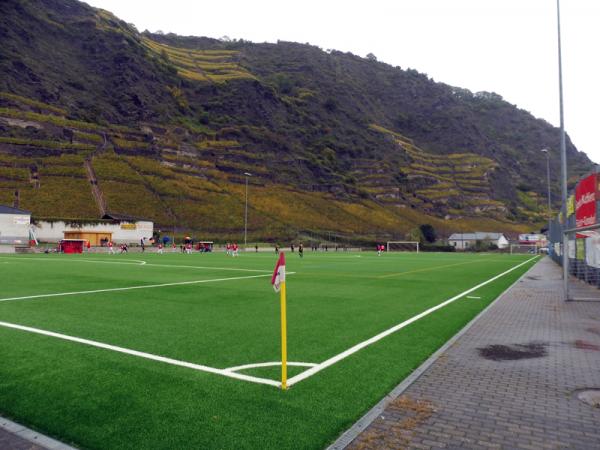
pixel 470 296
pixel 329 362
pixel 427 269
pixel 146 286
pixel 114 348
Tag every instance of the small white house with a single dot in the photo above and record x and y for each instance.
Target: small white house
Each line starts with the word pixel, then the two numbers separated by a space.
pixel 119 229
pixel 465 241
pixel 14 226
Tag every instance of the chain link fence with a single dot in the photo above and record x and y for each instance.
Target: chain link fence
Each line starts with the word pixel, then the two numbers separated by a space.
pixel 582 244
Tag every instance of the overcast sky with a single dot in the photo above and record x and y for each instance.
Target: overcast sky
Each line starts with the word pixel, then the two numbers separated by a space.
pixel 505 46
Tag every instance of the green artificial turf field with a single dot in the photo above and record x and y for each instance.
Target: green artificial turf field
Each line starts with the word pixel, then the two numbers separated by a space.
pixel 219 312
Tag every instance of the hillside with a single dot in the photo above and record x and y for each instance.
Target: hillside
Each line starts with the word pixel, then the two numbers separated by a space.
pixel 96 117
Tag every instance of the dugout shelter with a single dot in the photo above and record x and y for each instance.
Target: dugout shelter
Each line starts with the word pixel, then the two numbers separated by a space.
pixel 71 245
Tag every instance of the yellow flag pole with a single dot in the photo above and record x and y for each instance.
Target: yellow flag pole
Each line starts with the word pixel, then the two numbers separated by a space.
pixel 283 339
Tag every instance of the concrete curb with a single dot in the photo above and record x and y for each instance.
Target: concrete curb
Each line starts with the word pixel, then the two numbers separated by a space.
pixel 349 435
pixel 32 436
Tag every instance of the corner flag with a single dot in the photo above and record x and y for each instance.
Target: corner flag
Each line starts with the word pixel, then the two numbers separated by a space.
pixel 278 282
pixel 279 273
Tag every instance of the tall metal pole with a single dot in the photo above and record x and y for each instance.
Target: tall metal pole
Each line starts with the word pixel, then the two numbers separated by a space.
pixel 547 152
pixel 563 162
pixel 246 213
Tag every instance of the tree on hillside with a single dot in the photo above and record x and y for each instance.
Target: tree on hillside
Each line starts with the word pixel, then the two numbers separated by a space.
pixel 428 233
pixel 414 235
pixel 371 57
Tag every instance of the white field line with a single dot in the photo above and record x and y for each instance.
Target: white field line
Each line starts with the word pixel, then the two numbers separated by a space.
pixel 139 262
pixel 268 364
pixel 211 268
pixel 145 286
pixel 114 348
pixel 337 358
pixel 473 297
pixel 131 262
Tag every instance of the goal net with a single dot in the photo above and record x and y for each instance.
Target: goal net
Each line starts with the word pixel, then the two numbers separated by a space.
pixel 533 249
pixel 403 246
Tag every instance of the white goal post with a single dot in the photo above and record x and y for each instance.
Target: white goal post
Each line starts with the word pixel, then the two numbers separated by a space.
pixel 403 246
pixel 534 249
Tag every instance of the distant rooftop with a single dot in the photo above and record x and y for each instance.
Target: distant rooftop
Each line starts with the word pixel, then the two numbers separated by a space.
pixel 10 210
pixel 477 236
pixel 124 217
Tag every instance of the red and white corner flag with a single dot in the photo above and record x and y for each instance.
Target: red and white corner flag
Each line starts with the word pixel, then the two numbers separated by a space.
pixel 278 282
pixel 279 273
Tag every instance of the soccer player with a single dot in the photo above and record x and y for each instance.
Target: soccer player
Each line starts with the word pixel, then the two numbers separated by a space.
pixel 301 250
pixel 160 248
pixel 111 250
pixel 235 249
pixel 379 249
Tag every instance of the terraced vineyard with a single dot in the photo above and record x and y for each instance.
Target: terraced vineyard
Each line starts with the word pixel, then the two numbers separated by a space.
pixel 455 179
pixel 215 66
pixel 150 172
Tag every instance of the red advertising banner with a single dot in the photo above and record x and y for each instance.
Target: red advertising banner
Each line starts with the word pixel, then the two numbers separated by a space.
pixel 585 202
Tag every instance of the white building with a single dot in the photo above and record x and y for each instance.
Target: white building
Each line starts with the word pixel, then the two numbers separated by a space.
pixel 116 228
pixel 14 226
pixel 465 241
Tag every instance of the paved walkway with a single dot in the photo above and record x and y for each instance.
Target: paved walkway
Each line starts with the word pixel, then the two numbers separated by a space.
pixel 17 437
pixel 511 381
pixel 10 441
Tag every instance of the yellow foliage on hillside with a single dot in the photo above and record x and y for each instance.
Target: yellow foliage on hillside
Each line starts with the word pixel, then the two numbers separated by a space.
pixel 215 66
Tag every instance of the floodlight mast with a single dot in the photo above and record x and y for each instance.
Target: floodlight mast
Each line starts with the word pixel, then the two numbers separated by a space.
pixel 246 212
pixel 547 152
pixel 563 162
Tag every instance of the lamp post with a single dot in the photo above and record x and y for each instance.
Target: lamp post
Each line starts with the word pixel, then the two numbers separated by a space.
pixel 246 212
pixel 563 161
pixel 547 152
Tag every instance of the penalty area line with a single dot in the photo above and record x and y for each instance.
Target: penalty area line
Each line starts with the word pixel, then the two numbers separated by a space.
pixel 136 262
pixel 163 359
pixel 130 262
pixel 128 288
pixel 337 358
